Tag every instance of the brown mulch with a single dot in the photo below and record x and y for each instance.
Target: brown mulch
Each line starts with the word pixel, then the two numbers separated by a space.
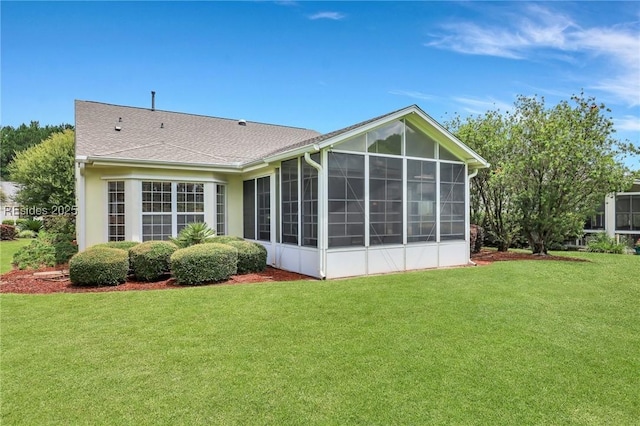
pixel 487 256
pixel 25 282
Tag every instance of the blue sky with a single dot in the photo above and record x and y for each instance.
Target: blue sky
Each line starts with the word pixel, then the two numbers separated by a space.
pixel 319 65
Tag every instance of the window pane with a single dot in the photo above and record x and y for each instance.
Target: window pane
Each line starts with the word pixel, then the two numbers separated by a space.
pixel 289 201
pixel 116 209
pixel 310 203
pixel 264 208
pixel 346 203
pixel 156 227
pixel 248 209
pixel 421 201
pixel 452 201
pixel 221 210
pixel 387 139
pixel 385 200
pixel 418 144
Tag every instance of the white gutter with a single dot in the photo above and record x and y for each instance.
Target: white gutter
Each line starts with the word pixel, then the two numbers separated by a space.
pixel 321 250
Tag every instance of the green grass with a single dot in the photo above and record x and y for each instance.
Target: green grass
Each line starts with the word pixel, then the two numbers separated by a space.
pixel 7 250
pixel 512 343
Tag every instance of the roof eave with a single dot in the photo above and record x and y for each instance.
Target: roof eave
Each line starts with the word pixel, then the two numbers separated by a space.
pixel 125 162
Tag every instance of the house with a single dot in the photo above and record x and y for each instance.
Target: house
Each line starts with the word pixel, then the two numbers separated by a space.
pixel 387 194
pixel 618 215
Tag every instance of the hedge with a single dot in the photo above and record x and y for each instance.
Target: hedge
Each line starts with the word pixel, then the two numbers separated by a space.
pixel 252 256
pixel 100 266
pixel 122 245
pixel 204 263
pixel 151 260
pixel 224 239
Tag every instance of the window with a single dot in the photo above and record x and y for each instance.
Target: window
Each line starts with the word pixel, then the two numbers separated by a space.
pixel 189 204
pixel 310 203
pixel 167 207
pixel 628 212
pixel 452 201
pixel 421 201
pixel 418 143
pixel 221 210
pixel 264 208
pixel 249 208
pixel 346 200
pixel 116 211
pixel 289 203
pixel 387 139
pixel 257 205
pixel 597 220
pixel 157 217
pixel 385 200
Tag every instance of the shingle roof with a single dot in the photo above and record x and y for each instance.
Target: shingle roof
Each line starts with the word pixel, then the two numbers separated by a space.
pixel 163 136
pixel 320 138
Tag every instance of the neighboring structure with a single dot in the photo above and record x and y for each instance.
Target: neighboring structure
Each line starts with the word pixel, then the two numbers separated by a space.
pixel 388 194
pixel 618 215
pixel 9 209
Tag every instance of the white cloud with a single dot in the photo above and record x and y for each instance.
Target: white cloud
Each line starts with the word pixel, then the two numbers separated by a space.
pixel 481 106
pixel 539 32
pixel 627 123
pixel 412 94
pixel 335 16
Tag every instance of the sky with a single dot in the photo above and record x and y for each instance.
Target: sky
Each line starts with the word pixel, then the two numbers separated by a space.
pixel 318 65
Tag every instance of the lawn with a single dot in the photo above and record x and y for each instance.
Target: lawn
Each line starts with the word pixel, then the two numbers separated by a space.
pixel 7 249
pixel 526 342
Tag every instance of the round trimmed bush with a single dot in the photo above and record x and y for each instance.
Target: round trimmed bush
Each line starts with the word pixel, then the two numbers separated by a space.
pixel 27 233
pixel 252 256
pixel 122 245
pixel 204 263
pixel 101 266
pixel 224 239
pixel 151 260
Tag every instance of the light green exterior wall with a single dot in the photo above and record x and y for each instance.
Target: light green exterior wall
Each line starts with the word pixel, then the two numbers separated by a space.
pixel 96 178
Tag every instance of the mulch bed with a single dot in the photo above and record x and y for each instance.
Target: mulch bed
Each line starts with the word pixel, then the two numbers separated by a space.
pixel 487 256
pixel 26 282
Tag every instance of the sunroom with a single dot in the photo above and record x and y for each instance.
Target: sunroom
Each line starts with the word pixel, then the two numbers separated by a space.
pixel 391 195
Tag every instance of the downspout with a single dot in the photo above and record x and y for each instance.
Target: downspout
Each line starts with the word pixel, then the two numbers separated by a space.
pixel 321 250
pixel 81 209
pixel 471 176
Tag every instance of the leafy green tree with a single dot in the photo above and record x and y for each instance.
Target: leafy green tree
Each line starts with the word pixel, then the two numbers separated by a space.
pixel 567 161
pixel 17 139
pixel 491 198
pixel 45 173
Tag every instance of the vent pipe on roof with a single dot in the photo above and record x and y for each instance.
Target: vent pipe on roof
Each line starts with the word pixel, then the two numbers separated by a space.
pixel 153 100
pixel 242 122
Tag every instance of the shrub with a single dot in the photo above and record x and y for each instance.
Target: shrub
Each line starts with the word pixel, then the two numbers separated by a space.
pixel 122 245
pixel 204 263
pixel 101 266
pixel 64 245
pixel 8 222
pixel 151 260
pixel 223 239
pixel 36 254
pixel 252 256
pixel 59 224
pixel 20 221
pixel 194 233
pixel 34 225
pixel 602 243
pixel 8 232
pixel 26 234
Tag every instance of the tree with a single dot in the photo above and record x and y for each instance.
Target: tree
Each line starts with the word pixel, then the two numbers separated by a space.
pixel 45 174
pixel 567 163
pixel 17 139
pixel 491 199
